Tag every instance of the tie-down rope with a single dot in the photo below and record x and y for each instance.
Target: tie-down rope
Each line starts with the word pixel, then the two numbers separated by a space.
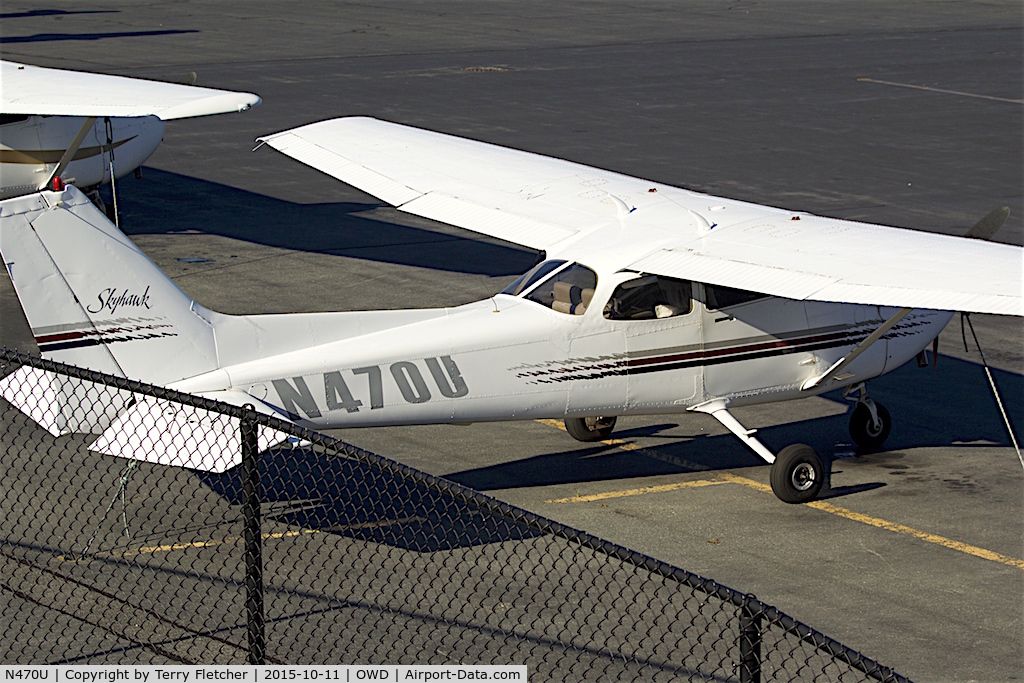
pixel 113 184
pixel 991 381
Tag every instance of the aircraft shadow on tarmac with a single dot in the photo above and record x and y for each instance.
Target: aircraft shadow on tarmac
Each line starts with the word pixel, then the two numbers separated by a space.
pixel 51 37
pixel 36 13
pixel 154 206
pixel 310 489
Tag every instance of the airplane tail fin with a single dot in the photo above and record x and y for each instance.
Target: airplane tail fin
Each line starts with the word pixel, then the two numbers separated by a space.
pixel 94 300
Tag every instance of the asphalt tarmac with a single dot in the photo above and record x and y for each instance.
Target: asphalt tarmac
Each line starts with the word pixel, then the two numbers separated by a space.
pixel 903 114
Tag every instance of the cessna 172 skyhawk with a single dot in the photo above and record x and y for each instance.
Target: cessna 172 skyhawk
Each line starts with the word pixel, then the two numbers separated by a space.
pixel 650 299
pixel 85 127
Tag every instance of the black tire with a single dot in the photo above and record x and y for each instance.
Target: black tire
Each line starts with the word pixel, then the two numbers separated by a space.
pixel 797 474
pixel 863 430
pixel 590 428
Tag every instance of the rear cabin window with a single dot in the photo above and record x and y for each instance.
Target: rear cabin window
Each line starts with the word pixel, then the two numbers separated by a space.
pixel 648 298
pixel 567 291
pixel 716 297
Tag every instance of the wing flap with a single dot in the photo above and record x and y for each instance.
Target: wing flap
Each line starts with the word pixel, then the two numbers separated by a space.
pixel 337 166
pixel 756 277
pixel 501 224
pixel 824 259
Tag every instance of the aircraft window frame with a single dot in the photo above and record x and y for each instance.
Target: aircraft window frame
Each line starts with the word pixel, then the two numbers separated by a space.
pixel 523 284
pixel 571 289
pixel 651 300
pixel 743 296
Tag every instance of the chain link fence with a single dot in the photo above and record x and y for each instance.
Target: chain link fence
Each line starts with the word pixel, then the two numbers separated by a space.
pixel 315 551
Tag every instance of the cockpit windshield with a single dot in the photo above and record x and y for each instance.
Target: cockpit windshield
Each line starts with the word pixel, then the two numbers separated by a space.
pixel 530 277
pixel 566 289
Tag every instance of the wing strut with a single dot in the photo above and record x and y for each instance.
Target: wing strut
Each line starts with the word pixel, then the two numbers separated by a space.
pixel 842 363
pixel 69 154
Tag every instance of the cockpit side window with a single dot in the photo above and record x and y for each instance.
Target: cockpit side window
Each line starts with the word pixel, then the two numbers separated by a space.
pixel 716 297
pixel 567 291
pixel 649 297
pixel 530 277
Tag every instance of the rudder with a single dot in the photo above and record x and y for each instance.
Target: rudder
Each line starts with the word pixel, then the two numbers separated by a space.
pixel 93 299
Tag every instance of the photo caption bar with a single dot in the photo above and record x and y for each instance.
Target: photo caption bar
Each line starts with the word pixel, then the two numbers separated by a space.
pixel 110 673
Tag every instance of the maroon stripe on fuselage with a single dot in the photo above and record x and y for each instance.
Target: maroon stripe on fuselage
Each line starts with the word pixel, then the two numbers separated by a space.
pixel 744 349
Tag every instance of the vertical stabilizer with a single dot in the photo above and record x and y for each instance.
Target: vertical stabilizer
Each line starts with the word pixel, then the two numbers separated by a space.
pixel 93 299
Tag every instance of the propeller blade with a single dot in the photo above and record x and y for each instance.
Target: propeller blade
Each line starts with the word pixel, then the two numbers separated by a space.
pixel 989 225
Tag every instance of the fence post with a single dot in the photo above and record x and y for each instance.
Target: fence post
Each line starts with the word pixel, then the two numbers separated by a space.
pixel 750 640
pixel 253 537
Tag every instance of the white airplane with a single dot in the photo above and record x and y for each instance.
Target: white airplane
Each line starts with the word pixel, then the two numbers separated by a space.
pixel 84 128
pixel 650 299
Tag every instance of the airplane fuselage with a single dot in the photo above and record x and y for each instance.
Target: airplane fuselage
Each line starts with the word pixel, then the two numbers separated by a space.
pixel 511 358
pixel 31 147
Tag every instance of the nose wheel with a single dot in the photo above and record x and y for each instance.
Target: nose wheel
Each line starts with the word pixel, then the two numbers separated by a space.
pixel 870 428
pixel 870 422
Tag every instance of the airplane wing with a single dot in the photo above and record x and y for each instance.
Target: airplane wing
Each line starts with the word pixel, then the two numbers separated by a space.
pixel 570 209
pixel 473 185
pixel 34 90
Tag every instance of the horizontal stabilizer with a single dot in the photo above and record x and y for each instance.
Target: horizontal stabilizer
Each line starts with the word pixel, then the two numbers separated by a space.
pixel 60 404
pixel 167 433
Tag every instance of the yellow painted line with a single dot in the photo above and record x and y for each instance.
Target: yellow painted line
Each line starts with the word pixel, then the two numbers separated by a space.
pixel 639 491
pixel 728 477
pixel 948 92
pixel 148 550
pixel 736 479
pixel 178 546
pixel 374 525
pixel 624 445
pixel 170 547
pixel 887 525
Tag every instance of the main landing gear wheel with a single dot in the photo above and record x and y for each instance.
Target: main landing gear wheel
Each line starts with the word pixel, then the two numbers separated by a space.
pixel 797 474
pixel 590 428
pixel 867 433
